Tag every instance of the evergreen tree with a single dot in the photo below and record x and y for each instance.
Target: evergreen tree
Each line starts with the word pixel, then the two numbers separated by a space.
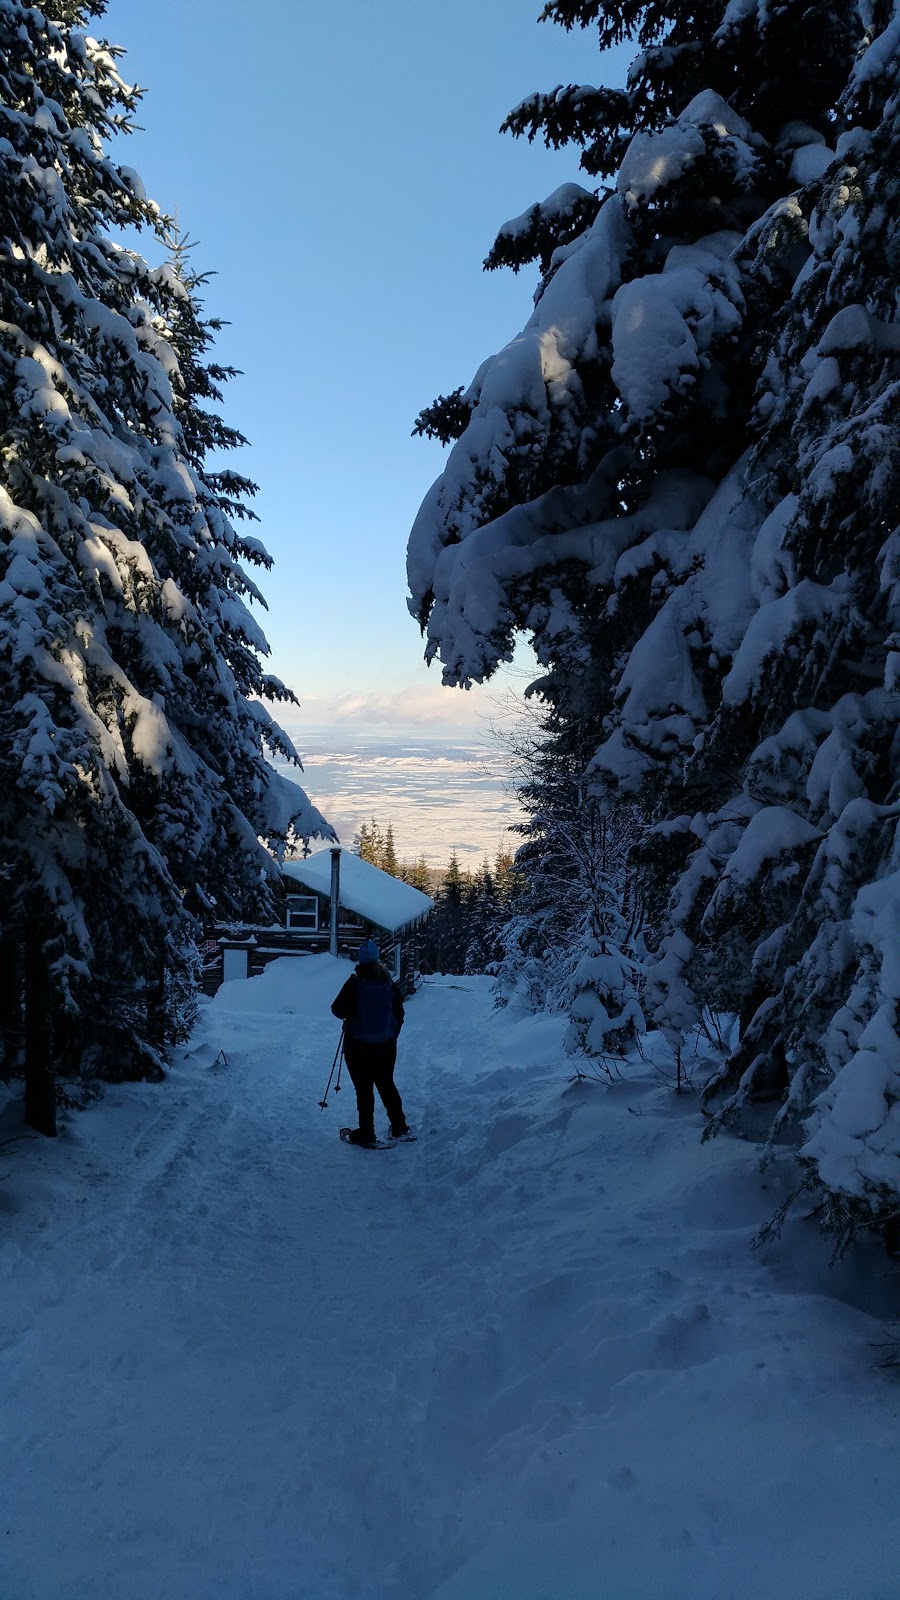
pixel 388 861
pixel 417 874
pixel 371 843
pixel 602 997
pixel 503 865
pixel 571 896
pixel 446 931
pixel 132 741
pixel 378 848
pixel 482 922
pixel 681 480
pixel 808 906
pixel 507 887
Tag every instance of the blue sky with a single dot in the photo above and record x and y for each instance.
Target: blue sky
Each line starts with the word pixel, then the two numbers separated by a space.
pixel 341 167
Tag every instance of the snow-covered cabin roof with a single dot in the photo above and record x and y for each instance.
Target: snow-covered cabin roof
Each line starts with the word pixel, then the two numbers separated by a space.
pixel 365 890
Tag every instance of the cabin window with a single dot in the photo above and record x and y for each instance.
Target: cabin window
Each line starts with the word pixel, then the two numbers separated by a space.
pixel 393 962
pixel 303 912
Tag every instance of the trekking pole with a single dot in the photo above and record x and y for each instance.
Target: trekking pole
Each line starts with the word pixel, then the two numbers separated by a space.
pixel 337 1081
pixel 337 1055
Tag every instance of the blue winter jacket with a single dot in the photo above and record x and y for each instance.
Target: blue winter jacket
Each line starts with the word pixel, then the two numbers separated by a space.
pixel 371 1009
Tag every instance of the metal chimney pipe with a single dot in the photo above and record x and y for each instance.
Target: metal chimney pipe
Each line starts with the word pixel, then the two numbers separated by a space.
pixel 335 898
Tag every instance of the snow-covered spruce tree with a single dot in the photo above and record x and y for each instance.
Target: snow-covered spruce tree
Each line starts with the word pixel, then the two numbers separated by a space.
pixel 703 559
pixel 446 931
pixel 482 921
pixel 603 1001
pixel 592 442
pixel 134 785
pixel 538 936
pixel 812 698
pixel 575 915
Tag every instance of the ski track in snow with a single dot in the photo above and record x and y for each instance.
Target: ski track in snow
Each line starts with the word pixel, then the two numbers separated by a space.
pixel 529 1357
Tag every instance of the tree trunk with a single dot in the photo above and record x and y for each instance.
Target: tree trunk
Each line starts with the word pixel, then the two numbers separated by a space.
pixel 40 1078
pixel 10 1002
pixel 156 1008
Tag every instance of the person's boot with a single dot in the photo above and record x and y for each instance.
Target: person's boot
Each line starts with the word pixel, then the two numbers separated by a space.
pixel 399 1131
pixel 357 1136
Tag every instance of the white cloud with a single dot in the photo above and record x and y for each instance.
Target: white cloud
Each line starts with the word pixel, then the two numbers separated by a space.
pixel 440 793
pixel 413 706
pixel 416 754
pixel 410 706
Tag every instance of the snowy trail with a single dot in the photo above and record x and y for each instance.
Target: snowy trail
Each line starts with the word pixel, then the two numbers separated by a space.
pixel 529 1356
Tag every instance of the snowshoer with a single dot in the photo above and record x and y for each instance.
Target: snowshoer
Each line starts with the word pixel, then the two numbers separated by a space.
pixel 371 1007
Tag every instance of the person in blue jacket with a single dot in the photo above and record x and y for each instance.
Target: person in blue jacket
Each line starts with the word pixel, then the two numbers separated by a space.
pixel 371 1008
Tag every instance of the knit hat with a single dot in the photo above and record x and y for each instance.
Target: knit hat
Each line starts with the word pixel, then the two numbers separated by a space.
pixel 369 952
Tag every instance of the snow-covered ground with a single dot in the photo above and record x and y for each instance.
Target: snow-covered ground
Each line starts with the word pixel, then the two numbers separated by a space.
pixel 530 1357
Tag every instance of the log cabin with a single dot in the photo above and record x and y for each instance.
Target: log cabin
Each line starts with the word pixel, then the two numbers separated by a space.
pixel 332 901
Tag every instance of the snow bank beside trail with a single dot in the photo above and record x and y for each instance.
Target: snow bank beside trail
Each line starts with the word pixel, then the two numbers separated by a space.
pixel 531 1356
pixel 289 984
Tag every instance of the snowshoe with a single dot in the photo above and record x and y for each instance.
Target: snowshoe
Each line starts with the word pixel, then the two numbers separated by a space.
pixel 352 1136
pixel 356 1136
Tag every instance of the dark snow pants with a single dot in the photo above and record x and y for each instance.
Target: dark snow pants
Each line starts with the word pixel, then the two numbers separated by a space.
pixel 371 1067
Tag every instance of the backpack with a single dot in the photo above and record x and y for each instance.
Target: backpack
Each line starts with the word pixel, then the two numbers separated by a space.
pixel 373 1020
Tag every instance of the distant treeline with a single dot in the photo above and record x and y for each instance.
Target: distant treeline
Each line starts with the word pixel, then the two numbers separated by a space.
pixel 470 908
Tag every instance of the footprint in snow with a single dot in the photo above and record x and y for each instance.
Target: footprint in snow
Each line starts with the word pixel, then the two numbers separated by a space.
pixel 506 1132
